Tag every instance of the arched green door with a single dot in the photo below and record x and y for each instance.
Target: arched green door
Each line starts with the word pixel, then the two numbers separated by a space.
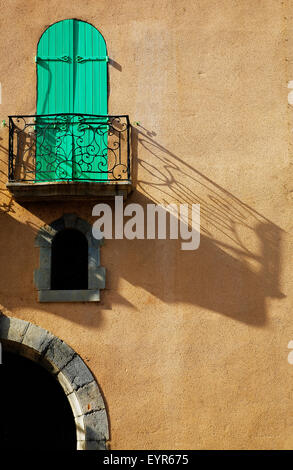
pixel 71 79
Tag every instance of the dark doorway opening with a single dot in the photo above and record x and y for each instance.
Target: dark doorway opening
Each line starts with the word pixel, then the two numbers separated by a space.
pixel 35 413
pixel 69 262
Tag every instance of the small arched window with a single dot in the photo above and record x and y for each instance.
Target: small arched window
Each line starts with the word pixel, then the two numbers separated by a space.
pixel 70 268
pixel 69 261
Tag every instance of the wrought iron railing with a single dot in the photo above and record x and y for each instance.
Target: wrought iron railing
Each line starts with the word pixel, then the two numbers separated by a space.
pixel 69 147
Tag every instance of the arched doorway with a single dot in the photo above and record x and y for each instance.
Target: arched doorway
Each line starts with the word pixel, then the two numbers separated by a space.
pixel 78 385
pixel 35 413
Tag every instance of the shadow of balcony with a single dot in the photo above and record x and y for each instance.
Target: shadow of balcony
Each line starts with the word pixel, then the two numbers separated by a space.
pixel 235 270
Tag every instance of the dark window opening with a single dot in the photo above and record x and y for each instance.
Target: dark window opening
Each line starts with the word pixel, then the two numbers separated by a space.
pixel 35 412
pixel 69 262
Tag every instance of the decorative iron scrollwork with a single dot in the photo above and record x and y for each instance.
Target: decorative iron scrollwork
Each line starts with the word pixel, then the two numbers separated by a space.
pixel 70 147
pixel 80 59
pixel 64 58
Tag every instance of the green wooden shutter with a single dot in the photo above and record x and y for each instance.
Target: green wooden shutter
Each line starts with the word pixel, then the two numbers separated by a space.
pixel 72 78
pixel 90 97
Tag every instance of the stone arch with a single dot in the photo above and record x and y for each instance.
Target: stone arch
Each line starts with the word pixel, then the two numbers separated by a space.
pixel 87 404
pixel 96 273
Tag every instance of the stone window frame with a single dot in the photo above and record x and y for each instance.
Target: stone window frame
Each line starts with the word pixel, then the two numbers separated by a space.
pixel 79 385
pixel 42 275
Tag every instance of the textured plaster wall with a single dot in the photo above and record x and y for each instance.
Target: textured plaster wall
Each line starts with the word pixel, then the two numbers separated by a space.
pixel 189 348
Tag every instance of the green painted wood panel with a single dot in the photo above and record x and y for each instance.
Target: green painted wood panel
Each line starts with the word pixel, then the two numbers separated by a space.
pixel 90 97
pixel 71 78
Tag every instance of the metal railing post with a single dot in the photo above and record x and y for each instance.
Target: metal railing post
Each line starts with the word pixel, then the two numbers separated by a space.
pixel 10 151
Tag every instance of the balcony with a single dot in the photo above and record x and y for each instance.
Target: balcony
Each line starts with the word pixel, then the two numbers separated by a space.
pixel 69 156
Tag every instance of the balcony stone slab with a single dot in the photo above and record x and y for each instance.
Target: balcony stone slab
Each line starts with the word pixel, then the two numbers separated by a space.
pixel 68 191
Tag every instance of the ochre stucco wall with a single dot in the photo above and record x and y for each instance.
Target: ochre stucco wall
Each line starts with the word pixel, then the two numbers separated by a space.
pixel 189 348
